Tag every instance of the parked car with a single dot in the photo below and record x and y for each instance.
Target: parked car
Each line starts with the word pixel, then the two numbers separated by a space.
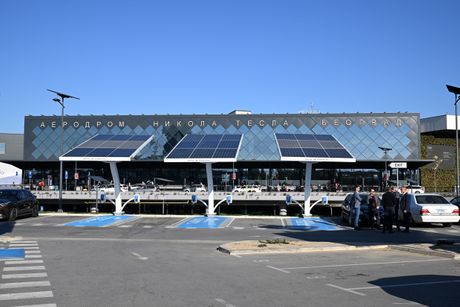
pixel 347 210
pixel 456 201
pixel 196 188
pixel 253 188
pixel 111 188
pixel 16 203
pixel 416 189
pixel 433 208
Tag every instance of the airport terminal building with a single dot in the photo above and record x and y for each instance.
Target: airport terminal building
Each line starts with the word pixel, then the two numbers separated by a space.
pixel 258 160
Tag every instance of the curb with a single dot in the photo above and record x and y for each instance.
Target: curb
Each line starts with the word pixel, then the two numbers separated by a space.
pixel 229 251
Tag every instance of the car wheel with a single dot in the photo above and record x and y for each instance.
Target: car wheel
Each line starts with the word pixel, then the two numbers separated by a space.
pixel 13 214
pixel 35 211
pixel 446 224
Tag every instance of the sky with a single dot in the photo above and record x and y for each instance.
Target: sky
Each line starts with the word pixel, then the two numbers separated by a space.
pixel 197 56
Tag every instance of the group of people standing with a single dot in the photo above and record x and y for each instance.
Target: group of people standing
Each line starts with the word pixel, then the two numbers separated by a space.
pixel 392 202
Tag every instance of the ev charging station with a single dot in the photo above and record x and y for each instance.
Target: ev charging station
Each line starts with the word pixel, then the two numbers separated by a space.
pixel 213 152
pixel 111 149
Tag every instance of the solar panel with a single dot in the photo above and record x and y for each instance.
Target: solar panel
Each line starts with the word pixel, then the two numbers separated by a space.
pixel 108 148
pixel 311 147
pixel 206 148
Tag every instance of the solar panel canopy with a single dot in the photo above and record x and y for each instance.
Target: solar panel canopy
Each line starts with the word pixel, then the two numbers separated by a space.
pixel 311 148
pixel 109 148
pixel 206 148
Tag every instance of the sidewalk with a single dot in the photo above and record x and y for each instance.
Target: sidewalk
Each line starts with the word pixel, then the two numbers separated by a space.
pixel 253 247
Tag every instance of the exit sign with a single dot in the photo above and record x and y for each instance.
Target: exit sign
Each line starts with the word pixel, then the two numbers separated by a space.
pixel 398 164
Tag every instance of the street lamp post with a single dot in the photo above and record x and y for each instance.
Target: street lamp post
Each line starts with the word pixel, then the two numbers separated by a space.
pixel 62 103
pixel 456 92
pixel 385 150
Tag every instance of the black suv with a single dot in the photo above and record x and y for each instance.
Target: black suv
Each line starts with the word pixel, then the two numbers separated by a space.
pixel 15 203
pixel 347 210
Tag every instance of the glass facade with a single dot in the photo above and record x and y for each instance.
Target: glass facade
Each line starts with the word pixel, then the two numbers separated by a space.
pixel 361 134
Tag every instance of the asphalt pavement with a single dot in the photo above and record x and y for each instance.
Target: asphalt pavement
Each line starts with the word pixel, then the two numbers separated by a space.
pixel 150 261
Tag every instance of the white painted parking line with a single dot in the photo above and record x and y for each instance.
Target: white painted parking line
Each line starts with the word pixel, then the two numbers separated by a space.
pixel 37 224
pixel 125 226
pixel 147 226
pixel 223 302
pixel 20 276
pixel 409 284
pixel 32 252
pixel 353 290
pixel 346 290
pixel 282 222
pixel 24 268
pixel 24 245
pixel 229 223
pixel 23 242
pixel 25 284
pixel 237 228
pixel 39 305
pixel 32 256
pixel 138 256
pixel 30 247
pixel 364 264
pixel 453 231
pixel 177 223
pixel 278 269
pixel 407 303
pixel 14 262
pixel 25 295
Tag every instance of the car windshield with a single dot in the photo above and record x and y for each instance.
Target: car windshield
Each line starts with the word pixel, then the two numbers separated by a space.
pixel 8 194
pixel 430 199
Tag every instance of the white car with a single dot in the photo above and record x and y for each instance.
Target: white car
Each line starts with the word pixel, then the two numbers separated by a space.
pixel 111 188
pixel 196 188
pixel 416 189
pixel 253 188
pixel 433 208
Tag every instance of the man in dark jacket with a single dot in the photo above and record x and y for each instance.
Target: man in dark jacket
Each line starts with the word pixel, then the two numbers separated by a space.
pixel 404 205
pixel 389 203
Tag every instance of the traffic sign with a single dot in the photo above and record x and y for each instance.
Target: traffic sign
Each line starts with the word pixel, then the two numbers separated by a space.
pixel 66 175
pixel 325 200
pixel 30 174
pixel 398 165
pixel 76 176
pixel 137 198
pixel 229 199
pixel 194 199
pixel 288 199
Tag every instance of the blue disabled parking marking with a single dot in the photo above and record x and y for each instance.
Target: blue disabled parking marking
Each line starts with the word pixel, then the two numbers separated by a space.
pixel 6 254
pixel 101 221
pixel 312 223
pixel 203 222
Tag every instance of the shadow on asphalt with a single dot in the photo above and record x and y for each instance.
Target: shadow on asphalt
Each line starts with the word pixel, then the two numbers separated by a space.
pixel 368 236
pixel 6 227
pixel 426 290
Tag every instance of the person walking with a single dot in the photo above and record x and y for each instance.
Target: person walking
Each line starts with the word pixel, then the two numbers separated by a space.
pixel 389 203
pixel 356 206
pixel 374 208
pixel 397 195
pixel 405 208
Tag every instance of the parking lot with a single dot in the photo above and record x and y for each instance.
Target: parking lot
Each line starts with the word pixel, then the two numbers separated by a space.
pixel 152 261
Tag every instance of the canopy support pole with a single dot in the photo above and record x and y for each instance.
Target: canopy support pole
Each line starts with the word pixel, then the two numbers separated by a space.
pixel 116 183
pixel 307 195
pixel 210 210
